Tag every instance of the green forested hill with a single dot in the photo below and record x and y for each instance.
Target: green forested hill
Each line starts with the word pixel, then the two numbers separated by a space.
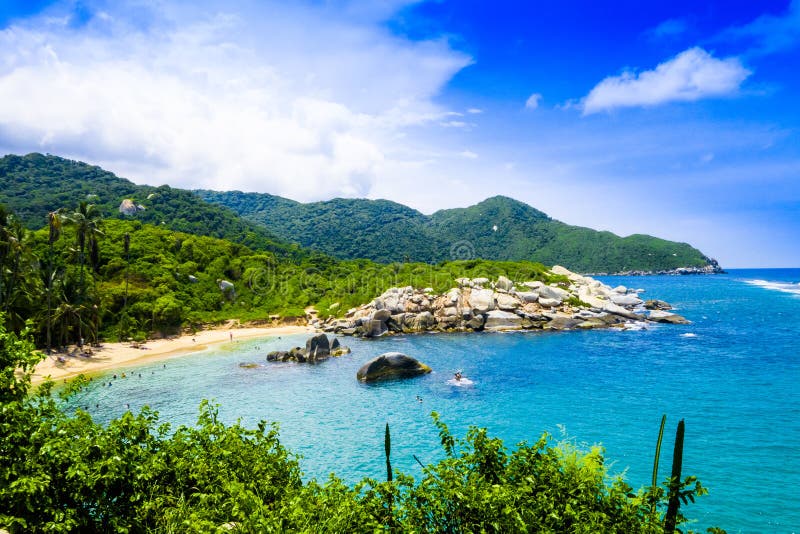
pixel 32 186
pixel 498 228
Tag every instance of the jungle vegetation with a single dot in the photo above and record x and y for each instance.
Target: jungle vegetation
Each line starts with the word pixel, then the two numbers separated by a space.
pixel 63 472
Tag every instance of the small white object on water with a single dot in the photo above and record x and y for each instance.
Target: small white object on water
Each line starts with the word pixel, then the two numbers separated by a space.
pixel 463 381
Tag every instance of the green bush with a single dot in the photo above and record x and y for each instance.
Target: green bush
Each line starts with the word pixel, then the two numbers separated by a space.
pixel 66 473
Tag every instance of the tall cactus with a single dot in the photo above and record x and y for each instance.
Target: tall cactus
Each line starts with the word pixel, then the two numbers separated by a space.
pixel 671 518
pixel 654 484
pixel 387 445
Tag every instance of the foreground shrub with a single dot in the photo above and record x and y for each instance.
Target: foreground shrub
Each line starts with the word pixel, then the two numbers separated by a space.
pixel 66 473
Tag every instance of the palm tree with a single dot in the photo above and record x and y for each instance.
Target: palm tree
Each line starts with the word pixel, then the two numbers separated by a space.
pixel 87 222
pixel 5 220
pixel 123 323
pixel 19 287
pixel 54 221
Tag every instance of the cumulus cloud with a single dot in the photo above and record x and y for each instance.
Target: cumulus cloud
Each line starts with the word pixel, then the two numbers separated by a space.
pixel 533 101
pixel 200 95
pixel 691 75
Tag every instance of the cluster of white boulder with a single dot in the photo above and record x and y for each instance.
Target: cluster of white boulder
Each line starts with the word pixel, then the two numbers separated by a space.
pixel 480 304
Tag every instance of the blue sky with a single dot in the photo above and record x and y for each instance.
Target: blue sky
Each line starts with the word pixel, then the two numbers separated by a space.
pixel 677 119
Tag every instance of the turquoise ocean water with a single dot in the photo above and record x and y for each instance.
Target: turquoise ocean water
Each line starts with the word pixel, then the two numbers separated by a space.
pixel 733 375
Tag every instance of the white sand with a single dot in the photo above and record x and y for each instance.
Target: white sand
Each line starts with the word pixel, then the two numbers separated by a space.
pixel 113 355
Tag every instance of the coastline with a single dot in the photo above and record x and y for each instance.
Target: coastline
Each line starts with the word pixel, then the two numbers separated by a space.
pixel 115 355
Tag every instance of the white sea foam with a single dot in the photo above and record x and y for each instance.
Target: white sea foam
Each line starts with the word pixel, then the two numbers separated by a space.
pixel 688 334
pixel 784 287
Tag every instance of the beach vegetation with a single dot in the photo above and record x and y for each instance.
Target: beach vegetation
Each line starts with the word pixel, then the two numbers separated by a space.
pixel 63 472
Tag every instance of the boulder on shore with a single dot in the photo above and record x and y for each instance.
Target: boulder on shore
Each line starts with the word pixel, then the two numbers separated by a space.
pixel 497 320
pixel 660 316
pixel 391 365
pixel 654 304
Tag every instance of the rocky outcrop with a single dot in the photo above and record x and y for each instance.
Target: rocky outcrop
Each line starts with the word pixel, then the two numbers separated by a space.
pixel 318 348
pixel 712 267
pixel 654 304
pixel 480 304
pixel 391 365
pixel 660 316
pixel 128 207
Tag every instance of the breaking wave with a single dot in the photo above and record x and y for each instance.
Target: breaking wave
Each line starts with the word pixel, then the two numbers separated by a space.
pixel 784 287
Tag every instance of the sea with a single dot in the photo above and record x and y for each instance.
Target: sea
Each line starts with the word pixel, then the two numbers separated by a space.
pixel 733 376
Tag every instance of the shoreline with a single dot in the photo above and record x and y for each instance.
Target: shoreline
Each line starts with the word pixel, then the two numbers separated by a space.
pixel 109 356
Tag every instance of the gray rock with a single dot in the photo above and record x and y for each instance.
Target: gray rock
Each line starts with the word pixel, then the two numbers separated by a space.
pixel 277 356
pixel 481 300
pixel 562 323
pixel 654 304
pixel 504 284
pixel 616 309
pixel 225 286
pixel 373 328
pixel 422 321
pixel 502 320
pixel 528 296
pixel 626 300
pixel 318 347
pixel 507 302
pixel 659 316
pixel 476 322
pixel 449 311
pixel 127 207
pixel 391 365
pixel 550 292
pixel 549 302
pixel 381 315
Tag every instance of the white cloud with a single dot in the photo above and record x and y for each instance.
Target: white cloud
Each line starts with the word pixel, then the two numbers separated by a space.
pixel 533 101
pixel 474 110
pixel 468 154
pixel 691 75
pixel 200 96
pixel 768 33
pixel 668 29
pixel 454 124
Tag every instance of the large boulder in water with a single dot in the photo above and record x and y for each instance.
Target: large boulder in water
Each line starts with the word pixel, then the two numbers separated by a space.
pixel 655 304
pixel 660 316
pixel 318 347
pixel 391 365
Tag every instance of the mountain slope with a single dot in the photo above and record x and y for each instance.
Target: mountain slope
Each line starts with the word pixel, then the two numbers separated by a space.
pixel 34 185
pixel 499 228
pixel 379 230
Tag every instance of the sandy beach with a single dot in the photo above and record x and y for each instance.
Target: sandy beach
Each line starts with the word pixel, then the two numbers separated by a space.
pixel 114 355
